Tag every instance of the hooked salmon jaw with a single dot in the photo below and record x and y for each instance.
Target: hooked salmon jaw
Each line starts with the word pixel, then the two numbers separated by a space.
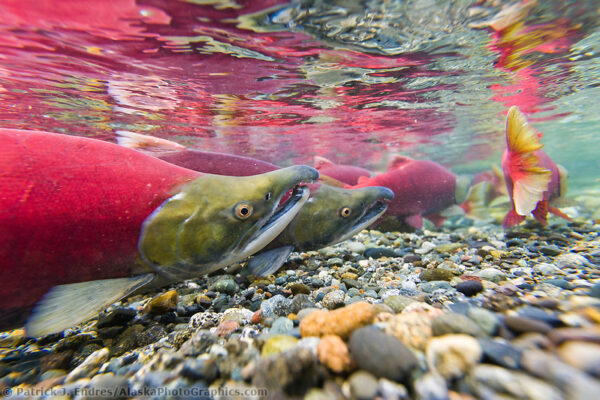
pixel 278 221
pixel 371 215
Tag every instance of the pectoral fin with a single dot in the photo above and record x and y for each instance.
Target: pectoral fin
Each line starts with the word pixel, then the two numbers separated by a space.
pixel 67 305
pixel 452 211
pixel 416 221
pixel 268 262
pixel 559 213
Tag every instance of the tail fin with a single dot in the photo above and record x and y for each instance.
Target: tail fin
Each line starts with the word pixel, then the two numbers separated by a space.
pixel 512 218
pixel 146 143
pixel 530 180
pixel 541 212
pixel 500 187
pixel 478 197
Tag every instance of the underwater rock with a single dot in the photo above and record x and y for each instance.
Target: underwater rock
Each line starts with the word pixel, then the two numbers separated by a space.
pixel 469 288
pixel 333 352
pixel 334 299
pixel 485 379
pixel 204 320
pixel 340 322
pixel 382 355
pixel 292 372
pixel 276 306
pixel 117 317
pixel 225 328
pixel 89 366
pixel 398 303
pixel 412 328
pixel 278 344
pixel 452 355
pixel 363 385
pixel 455 323
pixel 162 303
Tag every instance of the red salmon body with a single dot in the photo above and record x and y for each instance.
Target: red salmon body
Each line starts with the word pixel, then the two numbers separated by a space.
pixel 532 178
pixel 71 210
pixel 348 174
pixel 218 163
pixel 420 187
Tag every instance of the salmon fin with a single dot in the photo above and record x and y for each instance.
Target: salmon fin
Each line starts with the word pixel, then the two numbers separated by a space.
pixel 452 211
pixel 559 213
pixel 512 218
pixel 529 189
pixel 500 187
pixel 397 160
pixel 563 175
pixel 146 143
pixel 541 212
pixel 322 162
pixel 416 221
pixel 461 188
pixel 498 172
pixel 500 201
pixel 475 206
pixel 331 181
pixel 520 136
pixel 437 219
pixel 66 305
pixel 362 180
pixel 532 180
pixel 268 262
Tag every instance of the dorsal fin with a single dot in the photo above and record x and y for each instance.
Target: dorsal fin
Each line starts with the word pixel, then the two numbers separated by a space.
pixel 398 160
pixel 363 179
pixel 322 162
pixel 331 181
pixel 146 143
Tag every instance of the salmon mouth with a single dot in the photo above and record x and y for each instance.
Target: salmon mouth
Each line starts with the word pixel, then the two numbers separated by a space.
pixel 371 214
pixel 281 218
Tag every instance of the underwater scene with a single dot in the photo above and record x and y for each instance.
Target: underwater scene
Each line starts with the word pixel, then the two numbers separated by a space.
pixel 305 199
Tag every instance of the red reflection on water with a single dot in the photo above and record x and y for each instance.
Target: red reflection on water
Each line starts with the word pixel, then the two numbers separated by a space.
pixel 190 73
pixel 525 50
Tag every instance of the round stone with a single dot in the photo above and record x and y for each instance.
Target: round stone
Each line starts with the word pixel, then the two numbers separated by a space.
pixel 381 354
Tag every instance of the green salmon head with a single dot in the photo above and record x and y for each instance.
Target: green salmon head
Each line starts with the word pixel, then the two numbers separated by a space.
pixel 216 220
pixel 334 214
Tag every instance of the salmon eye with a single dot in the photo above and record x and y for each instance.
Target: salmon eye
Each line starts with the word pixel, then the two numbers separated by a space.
pixel 345 212
pixel 243 211
pixel 268 196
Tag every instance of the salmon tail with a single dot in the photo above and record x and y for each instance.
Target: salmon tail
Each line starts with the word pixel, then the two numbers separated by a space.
pixel 512 218
pixel 520 136
pixel 478 198
pixel 146 143
pixel 559 213
pixel 500 187
pixel 530 188
pixel 529 179
pixel 541 212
